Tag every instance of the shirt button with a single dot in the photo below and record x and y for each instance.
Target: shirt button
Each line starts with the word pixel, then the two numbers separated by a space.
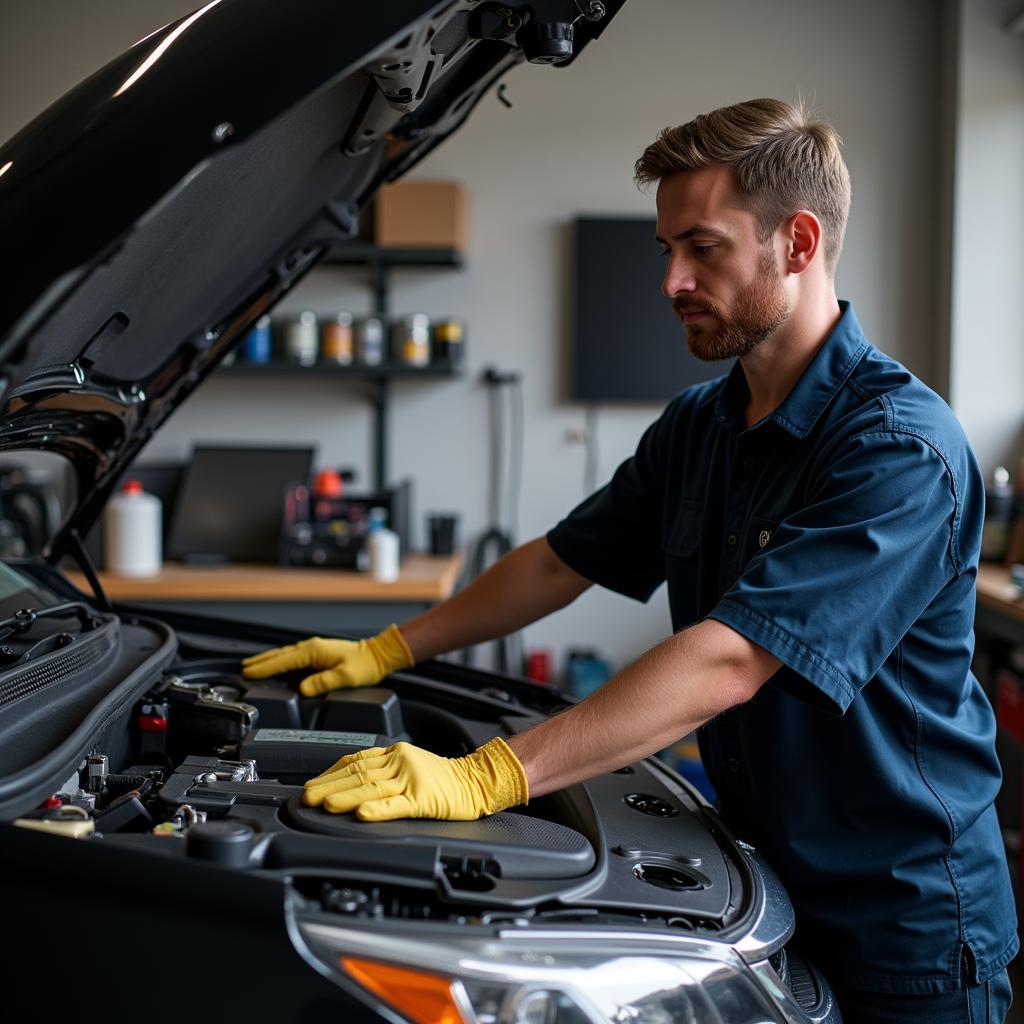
pixel 733 764
pixel 731 539
pixel 748 463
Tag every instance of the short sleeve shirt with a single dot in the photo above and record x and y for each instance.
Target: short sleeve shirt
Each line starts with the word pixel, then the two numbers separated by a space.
pixel 841 534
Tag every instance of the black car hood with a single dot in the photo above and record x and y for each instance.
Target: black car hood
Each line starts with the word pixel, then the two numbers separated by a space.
pixel 156 211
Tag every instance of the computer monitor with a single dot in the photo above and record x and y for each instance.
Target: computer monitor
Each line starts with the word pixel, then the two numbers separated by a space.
pixel 230 503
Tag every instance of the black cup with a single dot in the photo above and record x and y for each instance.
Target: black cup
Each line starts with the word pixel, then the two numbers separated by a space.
pixel 442 527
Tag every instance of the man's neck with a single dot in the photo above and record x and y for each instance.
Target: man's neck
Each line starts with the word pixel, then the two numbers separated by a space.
pixel 774 367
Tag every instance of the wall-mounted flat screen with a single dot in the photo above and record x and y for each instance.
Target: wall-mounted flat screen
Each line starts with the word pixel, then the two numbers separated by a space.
pixel 628 345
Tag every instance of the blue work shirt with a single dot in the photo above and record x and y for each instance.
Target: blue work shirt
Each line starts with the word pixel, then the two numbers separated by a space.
pixel 840 533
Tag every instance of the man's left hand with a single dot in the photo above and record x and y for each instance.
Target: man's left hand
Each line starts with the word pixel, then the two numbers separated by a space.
pixel 403 781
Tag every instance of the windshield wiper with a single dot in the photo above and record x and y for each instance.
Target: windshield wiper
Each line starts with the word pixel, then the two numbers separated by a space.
pixel 24 619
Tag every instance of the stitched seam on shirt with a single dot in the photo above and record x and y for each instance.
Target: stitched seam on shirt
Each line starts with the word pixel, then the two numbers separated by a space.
pixel 992 967
pixel 887 409
pixel 802 649
pixel 957 501
pixel 905 428
pixel 955 952
pixel 858 388
pixel 920 983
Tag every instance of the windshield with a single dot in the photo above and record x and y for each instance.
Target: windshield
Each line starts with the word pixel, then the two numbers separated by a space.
pixel 11 582
pixel 17 592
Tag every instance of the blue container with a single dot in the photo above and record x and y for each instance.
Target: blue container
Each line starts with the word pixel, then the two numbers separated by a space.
pixel 587 672
pixel 256 344
pixel 684 757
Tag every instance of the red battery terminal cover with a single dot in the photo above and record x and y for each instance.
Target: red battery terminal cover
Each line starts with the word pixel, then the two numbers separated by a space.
pixel 153 723
pixel 51 801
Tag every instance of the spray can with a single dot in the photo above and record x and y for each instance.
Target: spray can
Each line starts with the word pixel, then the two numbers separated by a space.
pixel 300 339
pixel 410 340
pixel 336 340
pixel 448 336
pixel 131 532
pixel 369 341
pixel 256 346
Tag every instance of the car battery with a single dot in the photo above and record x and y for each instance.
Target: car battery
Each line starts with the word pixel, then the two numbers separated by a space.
pixel 305 752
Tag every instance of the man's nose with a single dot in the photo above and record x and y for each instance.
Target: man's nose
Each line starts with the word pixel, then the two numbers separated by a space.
pixel 678 279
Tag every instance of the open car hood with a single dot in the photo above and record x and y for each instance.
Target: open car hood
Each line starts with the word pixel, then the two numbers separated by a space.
pixel 156 211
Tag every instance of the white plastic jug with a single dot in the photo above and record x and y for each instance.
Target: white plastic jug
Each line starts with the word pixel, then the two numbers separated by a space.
pixel 131 532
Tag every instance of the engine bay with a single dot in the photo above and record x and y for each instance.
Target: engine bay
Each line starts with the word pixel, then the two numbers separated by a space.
pixel 173 753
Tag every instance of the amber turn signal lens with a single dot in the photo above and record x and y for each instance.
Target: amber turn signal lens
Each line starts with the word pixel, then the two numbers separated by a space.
pixel 422 997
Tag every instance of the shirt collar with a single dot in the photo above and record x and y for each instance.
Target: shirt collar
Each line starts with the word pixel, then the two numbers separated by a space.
pixel 817 386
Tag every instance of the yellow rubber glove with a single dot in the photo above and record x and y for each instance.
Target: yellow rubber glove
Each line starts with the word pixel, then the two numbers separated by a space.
pixel 341 662
pixel 403 781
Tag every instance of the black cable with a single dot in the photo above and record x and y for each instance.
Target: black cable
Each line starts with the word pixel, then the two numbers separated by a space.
pixel 497 455
pixel 517 428
pixel 515 465
pixel 496 542
pixel 24 619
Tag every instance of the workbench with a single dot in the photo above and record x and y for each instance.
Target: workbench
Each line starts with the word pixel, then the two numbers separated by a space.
pixel 1000 609
pixel 317 600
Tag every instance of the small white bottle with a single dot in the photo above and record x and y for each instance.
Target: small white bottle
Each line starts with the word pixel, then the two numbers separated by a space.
pixel 131 532
pixel 382 546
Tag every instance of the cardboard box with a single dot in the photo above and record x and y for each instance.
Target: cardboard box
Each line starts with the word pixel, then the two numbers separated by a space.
pixel 421 214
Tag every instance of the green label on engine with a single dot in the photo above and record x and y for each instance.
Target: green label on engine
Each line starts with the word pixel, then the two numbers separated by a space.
pixel 343 739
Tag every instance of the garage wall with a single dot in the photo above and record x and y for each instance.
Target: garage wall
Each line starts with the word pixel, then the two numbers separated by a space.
pixel 987 354
pixel 566 147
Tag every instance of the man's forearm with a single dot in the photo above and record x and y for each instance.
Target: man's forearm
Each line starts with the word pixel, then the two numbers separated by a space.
pixel 527 584
pixel 670 691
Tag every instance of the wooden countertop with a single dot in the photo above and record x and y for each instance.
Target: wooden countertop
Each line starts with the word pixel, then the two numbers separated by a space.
pixel 996 591
pixel 424 578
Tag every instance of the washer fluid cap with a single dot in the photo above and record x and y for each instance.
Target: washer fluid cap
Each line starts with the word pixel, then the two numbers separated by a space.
pixel 132 487
pixel 224 842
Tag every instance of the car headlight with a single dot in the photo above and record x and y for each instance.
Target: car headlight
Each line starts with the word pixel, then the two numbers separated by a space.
pixel 440 975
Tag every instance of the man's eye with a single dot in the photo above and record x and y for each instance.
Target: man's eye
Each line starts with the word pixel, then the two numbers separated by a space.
pixel 664 252
pixel 702 250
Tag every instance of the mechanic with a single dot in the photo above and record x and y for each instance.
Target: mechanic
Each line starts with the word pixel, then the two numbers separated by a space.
pixel 817 515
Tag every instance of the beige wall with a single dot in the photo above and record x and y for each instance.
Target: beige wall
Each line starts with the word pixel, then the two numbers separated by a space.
pixel 566 147
pixel 987 350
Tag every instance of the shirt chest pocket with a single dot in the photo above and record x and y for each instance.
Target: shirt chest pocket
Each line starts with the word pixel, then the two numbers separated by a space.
pixel 682 551
pixel 682 537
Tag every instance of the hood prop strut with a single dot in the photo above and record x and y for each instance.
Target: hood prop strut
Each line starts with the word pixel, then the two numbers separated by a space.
pixel 74 547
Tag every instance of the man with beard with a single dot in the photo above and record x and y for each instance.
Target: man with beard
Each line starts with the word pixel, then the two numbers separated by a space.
pixel 817 515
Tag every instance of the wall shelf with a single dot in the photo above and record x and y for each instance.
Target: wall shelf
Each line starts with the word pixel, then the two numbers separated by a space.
pixel 352 370
pixel 366 254
pixel 380 261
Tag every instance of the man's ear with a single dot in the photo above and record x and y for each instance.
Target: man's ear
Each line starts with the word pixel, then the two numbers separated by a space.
pixel 802 237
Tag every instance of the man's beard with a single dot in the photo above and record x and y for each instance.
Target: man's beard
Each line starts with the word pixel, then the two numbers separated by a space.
pixel 760 309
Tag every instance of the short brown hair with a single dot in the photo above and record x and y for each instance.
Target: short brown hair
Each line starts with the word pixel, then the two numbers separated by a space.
pixel 784 160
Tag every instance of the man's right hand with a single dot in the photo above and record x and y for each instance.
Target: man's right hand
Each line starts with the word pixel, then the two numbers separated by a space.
pixel 341 662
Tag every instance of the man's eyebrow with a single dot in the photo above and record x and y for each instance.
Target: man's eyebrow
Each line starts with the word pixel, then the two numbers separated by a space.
pixel 697 229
